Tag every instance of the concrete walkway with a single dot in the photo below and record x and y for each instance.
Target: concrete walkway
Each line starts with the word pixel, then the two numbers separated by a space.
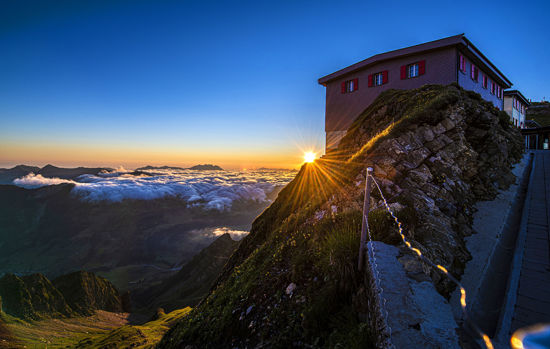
pixel 532 301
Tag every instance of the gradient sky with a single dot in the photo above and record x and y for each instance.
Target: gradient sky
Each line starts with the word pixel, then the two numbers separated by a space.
pixel 227 82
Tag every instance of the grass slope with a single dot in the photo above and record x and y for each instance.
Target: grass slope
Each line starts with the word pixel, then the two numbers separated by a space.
pixel 58 333
pixel 132 336
pixel 540 112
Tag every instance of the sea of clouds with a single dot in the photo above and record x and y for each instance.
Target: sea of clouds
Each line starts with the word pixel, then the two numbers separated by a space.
pixel 209 189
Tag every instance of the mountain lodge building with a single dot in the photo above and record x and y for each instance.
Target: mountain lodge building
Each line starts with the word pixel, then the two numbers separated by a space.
pixel 351 90
pixel 515 104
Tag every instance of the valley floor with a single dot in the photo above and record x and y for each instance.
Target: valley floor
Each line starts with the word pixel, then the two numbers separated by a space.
pixel 62 333
pixel 104 329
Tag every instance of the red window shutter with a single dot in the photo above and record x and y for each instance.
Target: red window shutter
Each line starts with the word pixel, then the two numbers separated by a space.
pixel 355 84
pixel 403 72
pixel 344 87
pixel 421 67
pixel 370 80
pixel 385 77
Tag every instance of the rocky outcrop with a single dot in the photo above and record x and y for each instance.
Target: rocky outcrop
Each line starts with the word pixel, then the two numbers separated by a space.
pixel 435 150
pixel 434 165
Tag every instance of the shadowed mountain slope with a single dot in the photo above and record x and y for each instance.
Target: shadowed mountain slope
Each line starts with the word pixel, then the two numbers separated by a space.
pixel 34 297
pixel 192 282
pixel 86 292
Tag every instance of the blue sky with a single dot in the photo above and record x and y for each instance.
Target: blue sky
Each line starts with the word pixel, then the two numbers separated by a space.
pixel 232 82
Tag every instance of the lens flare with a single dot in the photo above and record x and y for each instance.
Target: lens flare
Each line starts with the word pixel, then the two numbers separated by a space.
pixel 309 156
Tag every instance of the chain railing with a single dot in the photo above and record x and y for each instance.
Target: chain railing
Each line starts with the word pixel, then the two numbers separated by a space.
pixel 365 233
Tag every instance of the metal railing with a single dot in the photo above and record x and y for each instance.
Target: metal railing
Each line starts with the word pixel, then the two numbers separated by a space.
pixel 365 234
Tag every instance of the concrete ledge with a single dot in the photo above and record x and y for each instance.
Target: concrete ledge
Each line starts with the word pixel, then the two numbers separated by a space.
pixel 492 247
pixel 414 313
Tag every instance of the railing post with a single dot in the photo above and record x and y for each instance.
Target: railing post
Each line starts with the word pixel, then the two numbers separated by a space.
pixel 365 222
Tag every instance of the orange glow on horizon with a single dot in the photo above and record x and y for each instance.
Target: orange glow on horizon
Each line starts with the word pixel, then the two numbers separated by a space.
pixel 115 155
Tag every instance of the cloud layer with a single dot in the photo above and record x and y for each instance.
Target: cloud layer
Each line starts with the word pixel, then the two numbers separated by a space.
pixel 209 189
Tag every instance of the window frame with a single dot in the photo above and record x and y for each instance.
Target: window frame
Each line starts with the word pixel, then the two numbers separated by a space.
pixel 462 63
pixel 349 86
pixel 378 79
pixel 417 70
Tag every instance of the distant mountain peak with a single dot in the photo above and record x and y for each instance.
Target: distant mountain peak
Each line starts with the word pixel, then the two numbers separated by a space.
pixel 206 167
pixel 200 167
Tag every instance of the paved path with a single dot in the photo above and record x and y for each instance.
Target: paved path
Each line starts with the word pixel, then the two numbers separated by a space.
pixel 533 293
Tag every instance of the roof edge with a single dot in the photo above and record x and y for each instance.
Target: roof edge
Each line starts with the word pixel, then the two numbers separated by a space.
pixel 363 64
pixel 517 93
pixel 455 40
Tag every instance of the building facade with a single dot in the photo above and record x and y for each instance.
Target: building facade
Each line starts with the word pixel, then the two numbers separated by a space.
pixel 351 90
pixel 515 104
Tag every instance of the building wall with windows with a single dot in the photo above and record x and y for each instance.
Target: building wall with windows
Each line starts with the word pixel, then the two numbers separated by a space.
pixel 472 77
pixel 516 109
pixel 344 104
pixel 349 91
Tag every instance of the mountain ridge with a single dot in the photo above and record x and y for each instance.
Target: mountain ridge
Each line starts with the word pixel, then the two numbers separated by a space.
pixel 293 281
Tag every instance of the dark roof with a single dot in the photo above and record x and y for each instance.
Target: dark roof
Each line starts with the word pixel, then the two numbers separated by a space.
pixel 517 94
pixel 531 124
pixel 456 40
pixel 532 131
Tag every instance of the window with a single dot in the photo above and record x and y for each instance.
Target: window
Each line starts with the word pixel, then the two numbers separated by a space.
pixel 498 89
pixel 378 78
pixel 350 86
pixel 412 71
pixel 484 81
pixel 492 87
pixel 474 72
pixel 462 64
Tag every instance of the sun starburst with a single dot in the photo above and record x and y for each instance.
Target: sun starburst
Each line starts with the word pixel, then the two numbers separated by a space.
pixel 309 156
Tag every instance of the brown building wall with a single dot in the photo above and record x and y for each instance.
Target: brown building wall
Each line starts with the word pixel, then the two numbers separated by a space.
pixel 343 108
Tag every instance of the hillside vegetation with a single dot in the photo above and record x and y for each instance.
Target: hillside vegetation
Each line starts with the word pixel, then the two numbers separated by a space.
pixel 135 336
pixel 34 297
pixel 293 281
pixel 540 112
pixel 57 332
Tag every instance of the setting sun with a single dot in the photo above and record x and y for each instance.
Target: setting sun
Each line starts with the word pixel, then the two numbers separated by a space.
pixel 309 156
